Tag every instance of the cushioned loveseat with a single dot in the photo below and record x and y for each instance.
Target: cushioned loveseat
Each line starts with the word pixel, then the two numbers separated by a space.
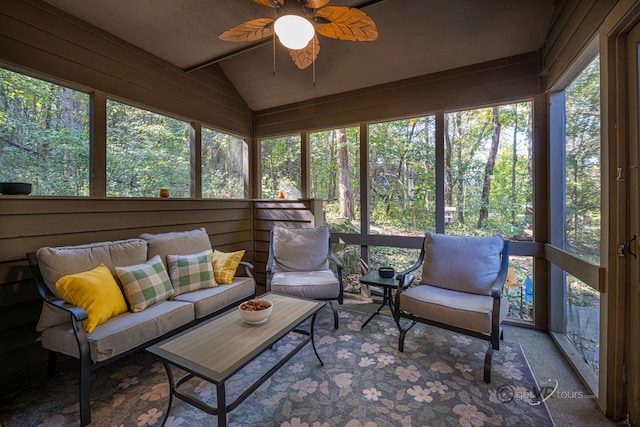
pixel 105 300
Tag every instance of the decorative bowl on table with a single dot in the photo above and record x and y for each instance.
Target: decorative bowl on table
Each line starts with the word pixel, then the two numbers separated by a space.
pixel 256 311
pixel 386 272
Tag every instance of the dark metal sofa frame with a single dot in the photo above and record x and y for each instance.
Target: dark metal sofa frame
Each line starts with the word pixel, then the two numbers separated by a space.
pixel 78 314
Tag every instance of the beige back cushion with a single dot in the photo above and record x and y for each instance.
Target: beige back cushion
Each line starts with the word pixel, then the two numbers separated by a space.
pixel 56 262
pixel 300 249
pixel 462 263
pixel 176 243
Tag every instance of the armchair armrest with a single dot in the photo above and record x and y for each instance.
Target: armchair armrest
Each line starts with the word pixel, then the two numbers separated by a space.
pixel 248 268
pixel 498 285
pixel 404 278
pixel 77 313
pixel 337 262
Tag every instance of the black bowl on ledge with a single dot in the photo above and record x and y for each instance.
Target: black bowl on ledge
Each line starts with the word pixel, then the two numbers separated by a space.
pixel 386 272
pixel 15 188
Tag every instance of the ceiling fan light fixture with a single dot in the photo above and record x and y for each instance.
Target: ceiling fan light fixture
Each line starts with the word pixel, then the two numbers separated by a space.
pixel 294 31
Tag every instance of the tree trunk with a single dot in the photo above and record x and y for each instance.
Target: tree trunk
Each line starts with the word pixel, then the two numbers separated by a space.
pixel 332 178
pixel 67 120
pixel 346 198
pixel 447 165
pixel 514 164
pixel 491 162
pixel 460 196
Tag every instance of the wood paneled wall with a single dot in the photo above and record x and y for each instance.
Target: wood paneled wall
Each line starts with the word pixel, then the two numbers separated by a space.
pixel 492 82
pixel 37 37
pixel 573 25
pixel 28 223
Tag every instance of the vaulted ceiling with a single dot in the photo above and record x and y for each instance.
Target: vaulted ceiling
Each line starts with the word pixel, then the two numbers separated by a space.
pixel 416 37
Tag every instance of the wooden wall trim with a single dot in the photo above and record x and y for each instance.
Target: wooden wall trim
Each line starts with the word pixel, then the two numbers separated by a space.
pixel 572 30
pixel 48 42
pixel 493 82
pixel 517 248
pixel 590 274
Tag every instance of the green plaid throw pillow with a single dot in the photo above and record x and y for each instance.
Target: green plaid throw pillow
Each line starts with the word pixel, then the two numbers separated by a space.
pixel 191 272
pixel 145 284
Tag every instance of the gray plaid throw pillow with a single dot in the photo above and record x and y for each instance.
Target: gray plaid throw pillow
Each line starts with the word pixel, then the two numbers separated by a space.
pixel 145 284
pixel 191 272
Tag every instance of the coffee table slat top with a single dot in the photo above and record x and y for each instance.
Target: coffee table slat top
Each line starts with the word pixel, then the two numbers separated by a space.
pixel 218 351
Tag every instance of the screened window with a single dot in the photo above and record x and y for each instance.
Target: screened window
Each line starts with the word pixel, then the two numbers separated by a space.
pixel 280 159
pixel 44 135
pixel 402 176
pixel 582 164
pixel 224 165
pixel 488 174
pixel 583 210
pixel 335 176
pixel 146 152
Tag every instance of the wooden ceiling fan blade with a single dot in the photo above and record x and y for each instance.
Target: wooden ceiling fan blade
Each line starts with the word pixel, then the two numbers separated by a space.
pixel 315 4
pixel 345 23
pixel 255 29
pixel 305 57
pixel 270 3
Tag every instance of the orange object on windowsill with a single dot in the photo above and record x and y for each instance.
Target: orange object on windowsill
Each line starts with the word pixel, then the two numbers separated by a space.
pixel 281 195
pixel 164 192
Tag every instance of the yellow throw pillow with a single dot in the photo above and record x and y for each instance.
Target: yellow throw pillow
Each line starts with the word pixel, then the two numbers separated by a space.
pixel 225 265
pixel 96 291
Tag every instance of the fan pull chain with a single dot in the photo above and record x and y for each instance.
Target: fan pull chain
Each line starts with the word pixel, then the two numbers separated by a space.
pixel 313 64
pixel 274 54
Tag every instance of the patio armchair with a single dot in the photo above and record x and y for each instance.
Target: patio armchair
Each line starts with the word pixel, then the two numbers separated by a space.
pixel 298 265
pixel 460 289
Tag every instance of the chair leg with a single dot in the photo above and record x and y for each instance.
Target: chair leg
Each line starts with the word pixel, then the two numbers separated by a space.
pixel 401 340
pixel 85 404
pixel 51 364
pixel 487 364
pixel 335 314
pixel 403 333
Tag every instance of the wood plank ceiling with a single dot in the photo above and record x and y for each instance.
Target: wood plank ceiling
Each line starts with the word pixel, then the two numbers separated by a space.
pixel 416 37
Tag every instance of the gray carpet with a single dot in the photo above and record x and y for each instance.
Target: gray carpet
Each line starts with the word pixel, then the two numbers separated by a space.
pixel 571 405
pixel 365 381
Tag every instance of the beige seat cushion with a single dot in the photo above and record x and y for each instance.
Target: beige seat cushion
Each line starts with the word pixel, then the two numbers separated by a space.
pixel 207 301
pixel 123 332
pixel 321 284
pixel 466 311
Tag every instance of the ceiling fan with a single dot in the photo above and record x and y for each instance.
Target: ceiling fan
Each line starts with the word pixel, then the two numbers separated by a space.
pixel 299 22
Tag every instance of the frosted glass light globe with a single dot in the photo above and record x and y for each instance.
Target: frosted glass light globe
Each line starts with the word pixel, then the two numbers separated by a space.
pixel 294 31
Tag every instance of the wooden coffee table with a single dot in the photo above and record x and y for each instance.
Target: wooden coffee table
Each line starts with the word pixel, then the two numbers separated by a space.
pixel 218 348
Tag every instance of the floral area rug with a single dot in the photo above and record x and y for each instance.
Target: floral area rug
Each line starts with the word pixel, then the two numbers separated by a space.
pixel 365 381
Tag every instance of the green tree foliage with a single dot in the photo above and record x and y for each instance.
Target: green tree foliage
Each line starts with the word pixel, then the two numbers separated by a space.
pixel 488 170
pixel 582 151
pixel 402 175
pixel 146 152
pixel 281 166
pixel 44 135
pixel 325 173
pixel 223 165
pixel 44 139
